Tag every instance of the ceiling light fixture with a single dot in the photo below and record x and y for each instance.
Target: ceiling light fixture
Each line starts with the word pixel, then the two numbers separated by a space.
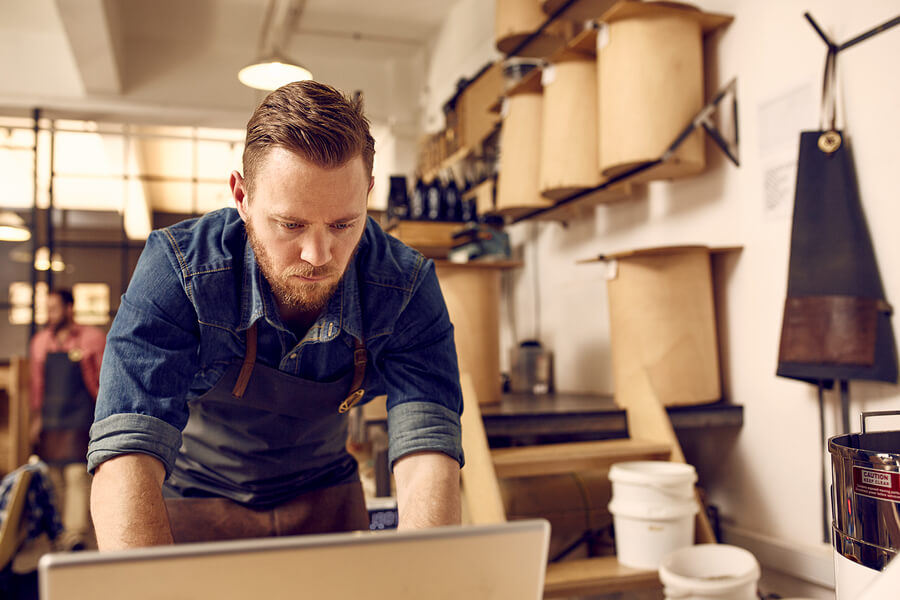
pixel 273 70
pixel 12 227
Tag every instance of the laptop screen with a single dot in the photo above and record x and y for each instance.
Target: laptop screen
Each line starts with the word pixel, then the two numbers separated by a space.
pixel 503 561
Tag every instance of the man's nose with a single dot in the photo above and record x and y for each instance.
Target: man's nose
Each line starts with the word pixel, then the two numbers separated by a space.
pixel 316 248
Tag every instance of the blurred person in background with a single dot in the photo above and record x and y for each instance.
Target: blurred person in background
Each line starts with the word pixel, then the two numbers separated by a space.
pixel 65 360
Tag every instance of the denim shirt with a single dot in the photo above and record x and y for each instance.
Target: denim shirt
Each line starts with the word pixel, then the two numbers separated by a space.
pixel 197 288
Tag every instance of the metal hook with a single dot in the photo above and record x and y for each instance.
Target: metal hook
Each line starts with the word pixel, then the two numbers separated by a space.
pixel 860 38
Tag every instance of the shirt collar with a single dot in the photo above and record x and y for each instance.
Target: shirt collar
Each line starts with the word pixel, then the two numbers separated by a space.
pixel 343 311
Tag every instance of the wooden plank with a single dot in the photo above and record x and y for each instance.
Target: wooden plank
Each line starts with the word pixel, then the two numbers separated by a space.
pixel 19 414
pixel 434 239
pixel 479 480
pixel 591 576
pixel 550 459
pixel 648 419
pixel 582 10
pixel 628 9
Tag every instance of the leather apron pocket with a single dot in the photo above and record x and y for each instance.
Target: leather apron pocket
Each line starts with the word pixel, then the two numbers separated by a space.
pixel 332 509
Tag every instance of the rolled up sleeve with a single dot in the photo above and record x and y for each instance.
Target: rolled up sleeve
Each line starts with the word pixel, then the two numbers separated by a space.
pixel 423 426
pixel 129 433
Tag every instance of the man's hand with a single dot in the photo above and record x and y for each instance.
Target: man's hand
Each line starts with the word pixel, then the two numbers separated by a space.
pixel 427 490
pixel 127 506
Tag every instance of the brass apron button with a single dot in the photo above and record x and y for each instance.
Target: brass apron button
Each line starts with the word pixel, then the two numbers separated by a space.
pixel 829 142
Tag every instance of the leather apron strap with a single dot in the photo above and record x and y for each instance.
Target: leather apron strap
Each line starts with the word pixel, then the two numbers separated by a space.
pixel 359 371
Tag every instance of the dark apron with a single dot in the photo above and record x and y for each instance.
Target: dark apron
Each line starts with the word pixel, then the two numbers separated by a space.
pixel 837 321
pixel 67 411
pixel 264 453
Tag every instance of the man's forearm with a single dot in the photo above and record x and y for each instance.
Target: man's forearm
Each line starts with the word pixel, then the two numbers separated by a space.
pixel 127 506
pixel 427 490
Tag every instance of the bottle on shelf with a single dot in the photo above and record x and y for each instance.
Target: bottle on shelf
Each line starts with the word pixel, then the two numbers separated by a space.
pixel 417 201
pixel 452 200
pixel 434 200
pixel 398 198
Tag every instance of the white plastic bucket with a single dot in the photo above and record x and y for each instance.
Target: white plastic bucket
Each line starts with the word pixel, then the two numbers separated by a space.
pixel 653 508
pixel 710 572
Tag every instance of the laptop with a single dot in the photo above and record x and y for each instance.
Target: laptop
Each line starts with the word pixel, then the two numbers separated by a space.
pixel 505 561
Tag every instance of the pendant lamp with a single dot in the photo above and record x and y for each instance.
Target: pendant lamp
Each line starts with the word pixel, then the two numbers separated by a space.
pixel 273 70
pixel 12 227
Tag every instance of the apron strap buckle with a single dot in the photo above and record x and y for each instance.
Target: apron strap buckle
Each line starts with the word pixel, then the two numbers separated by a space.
pixel 351 400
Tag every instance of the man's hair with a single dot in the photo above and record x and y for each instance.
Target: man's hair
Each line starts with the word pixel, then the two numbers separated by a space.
pixel 313 120
pixel 65 295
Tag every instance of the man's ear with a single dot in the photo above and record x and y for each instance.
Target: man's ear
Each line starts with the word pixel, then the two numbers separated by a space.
pixel 239 193
pixel 371 184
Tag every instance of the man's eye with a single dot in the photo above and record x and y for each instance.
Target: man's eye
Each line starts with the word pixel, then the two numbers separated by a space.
pixel 290 225
pixel 342 226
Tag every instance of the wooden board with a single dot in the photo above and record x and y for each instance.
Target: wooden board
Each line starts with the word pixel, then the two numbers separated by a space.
pixel 590 576
pixel 628 9
pixel 548 459
pixel 482 493
pixel 434 239
pixel 16 440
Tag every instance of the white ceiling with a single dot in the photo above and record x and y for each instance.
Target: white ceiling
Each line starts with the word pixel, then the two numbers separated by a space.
pixel 175 61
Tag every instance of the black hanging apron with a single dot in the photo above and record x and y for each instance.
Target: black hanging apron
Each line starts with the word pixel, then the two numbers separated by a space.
pixel 836 318
pixel 264 453
pixel 67 411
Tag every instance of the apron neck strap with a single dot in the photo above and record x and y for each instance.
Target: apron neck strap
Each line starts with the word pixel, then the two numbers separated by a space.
pixel 829 91
pixel 247 368
pixel 359 370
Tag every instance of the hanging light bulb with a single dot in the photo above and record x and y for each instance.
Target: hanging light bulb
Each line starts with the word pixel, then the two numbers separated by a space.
pixel 12 227
pixel 272 73
pixel 273 70
pixel 44 261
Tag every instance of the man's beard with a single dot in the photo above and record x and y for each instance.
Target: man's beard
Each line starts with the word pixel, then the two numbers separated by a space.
pixel 57 327
pixel 290 291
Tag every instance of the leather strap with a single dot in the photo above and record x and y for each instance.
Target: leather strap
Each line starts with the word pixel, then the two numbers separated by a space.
pixel 829 92
pixel 243 379
pixel 359 373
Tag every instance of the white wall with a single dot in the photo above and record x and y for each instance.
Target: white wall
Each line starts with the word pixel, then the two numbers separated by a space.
pixel 766 478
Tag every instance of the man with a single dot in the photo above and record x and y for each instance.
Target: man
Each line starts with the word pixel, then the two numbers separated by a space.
pixel 65 362
pixel 246 335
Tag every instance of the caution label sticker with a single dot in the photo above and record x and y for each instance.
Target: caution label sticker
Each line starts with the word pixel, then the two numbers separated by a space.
pixel 884 485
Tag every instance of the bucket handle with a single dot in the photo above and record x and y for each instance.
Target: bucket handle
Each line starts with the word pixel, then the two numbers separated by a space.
pixel 874 413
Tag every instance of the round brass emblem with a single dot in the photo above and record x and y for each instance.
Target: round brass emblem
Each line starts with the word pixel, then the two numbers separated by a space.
pixel 829 141
pixel 75 354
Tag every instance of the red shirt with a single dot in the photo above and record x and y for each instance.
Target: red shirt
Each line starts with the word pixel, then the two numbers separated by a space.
pixel 90 341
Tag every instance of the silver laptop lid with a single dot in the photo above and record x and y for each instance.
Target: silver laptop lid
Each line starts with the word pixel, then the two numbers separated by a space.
pixel 490 562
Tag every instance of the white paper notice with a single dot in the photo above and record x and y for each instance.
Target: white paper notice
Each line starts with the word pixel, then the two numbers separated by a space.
pixel 781 120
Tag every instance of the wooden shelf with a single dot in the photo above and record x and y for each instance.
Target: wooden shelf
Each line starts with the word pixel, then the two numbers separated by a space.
pixel 434 239
pixel 479 263
pixel 523 418
pixel 553 459
pixel 579 11
pixel 458 156
pixel 624 9
pixel 590 576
